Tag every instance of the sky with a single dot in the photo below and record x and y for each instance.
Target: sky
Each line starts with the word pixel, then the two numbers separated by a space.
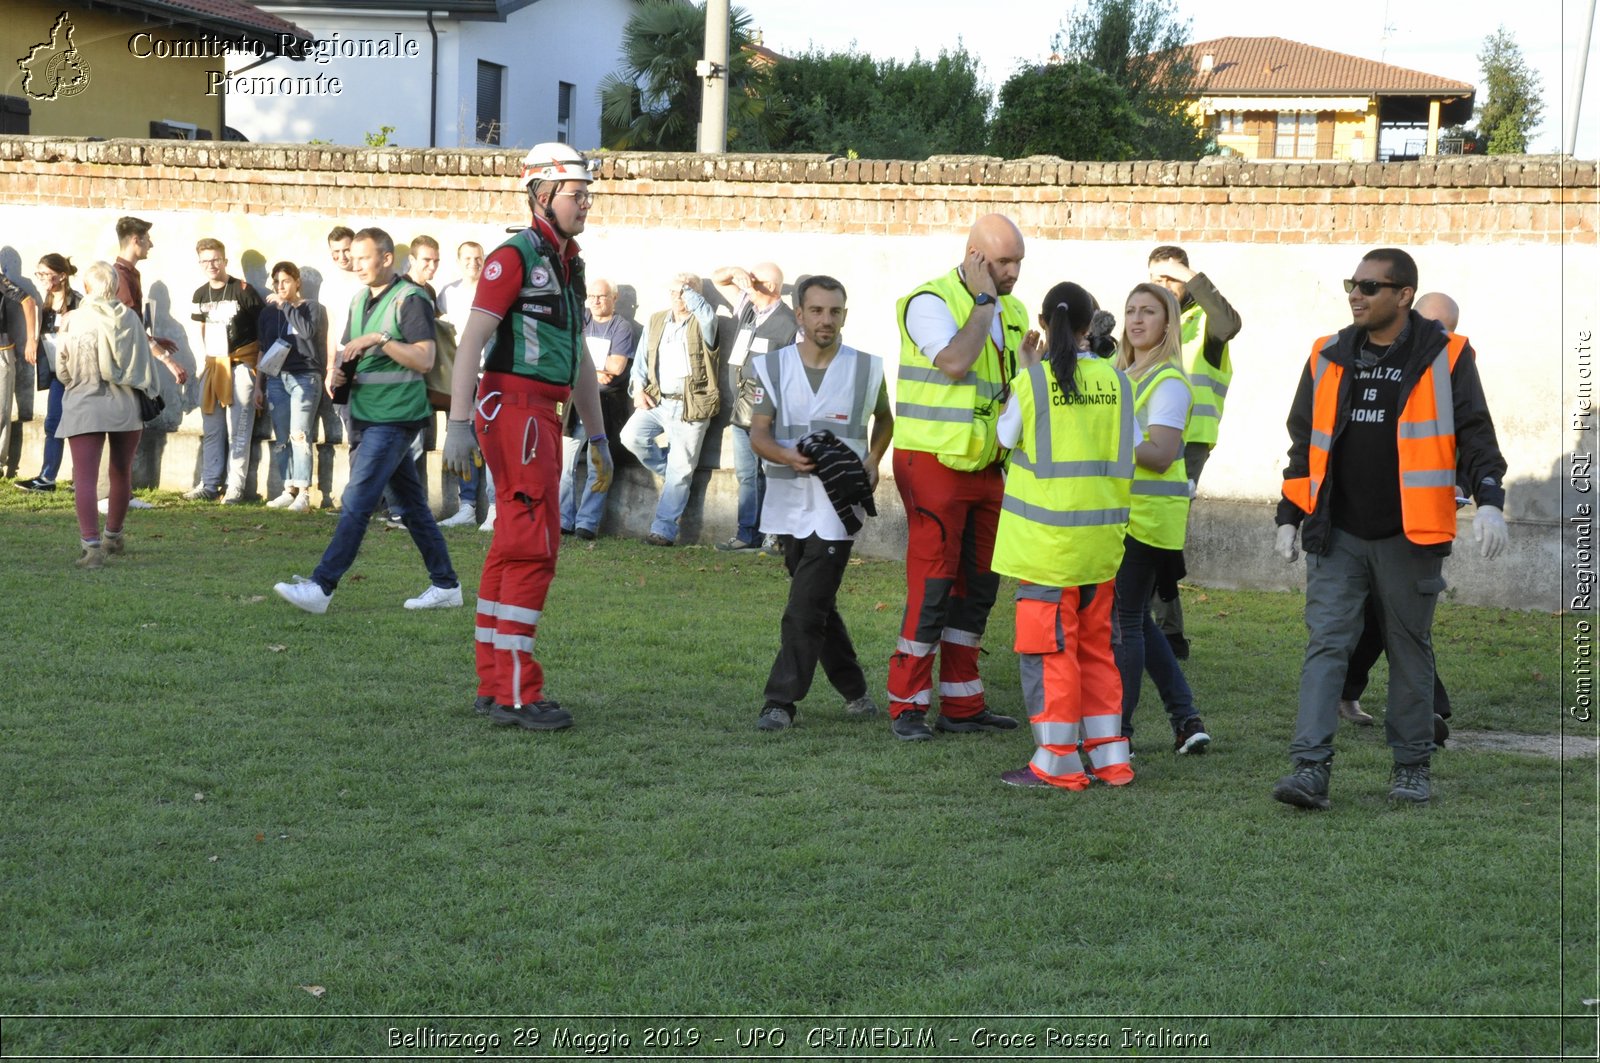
pixel 1441 37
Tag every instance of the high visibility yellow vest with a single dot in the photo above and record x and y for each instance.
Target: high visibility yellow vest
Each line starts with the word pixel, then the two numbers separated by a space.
pixel 1208 382
pixel 1160 499
pixel 1069 479
pixel 955 419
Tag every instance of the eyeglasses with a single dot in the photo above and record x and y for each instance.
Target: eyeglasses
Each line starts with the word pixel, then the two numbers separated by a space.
pixel 582 198
pixel 45 275
pixel 1369 287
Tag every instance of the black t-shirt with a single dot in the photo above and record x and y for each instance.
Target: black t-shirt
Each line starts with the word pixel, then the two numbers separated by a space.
pixel 1366 456
pixel 234 306
pixel 416 314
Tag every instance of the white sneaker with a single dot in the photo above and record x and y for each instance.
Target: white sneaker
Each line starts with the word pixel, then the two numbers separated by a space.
pixel 434 598
pixel 301 503
pixel 464 515
pixel 488 523
pixel 283 501
pixel 104 505
pixel 305 594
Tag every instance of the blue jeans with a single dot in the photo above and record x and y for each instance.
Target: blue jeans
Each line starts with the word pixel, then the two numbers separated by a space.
pixel 292 402
pixel 384 459
pixel 675 465
pixel 53 447
pixel 752 486
pixel 228 431
pixel 1140 647
pixel 581 507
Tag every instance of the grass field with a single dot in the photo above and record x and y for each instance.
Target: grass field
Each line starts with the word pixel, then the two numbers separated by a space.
pixel 214 802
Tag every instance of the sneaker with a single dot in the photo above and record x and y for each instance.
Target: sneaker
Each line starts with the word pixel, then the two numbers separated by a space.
pixel 1410 782
pixel 200 494
pixel 1352 711
pixel 911 726
pixel 395 521
pixel 463 515
pixel 861 707
pixel 139 503
pixel 488 521
pixel 93 557
pixel 657 540
pixel 540 716
pixel 737 545
pixel 283 501
pixel 37 485
pixel 984 721
pixel 301 503
pixel 586 534
pixel 565 531
pixel 1180 646
pixel 1190 737
pixel 774 718
pixel 436 598
pixel 1306 786
pixel 115 543
pixel 304 594
pixel 482 704
pixel 233 499
pixel 770 547
pixel 1023 776
pixel 1441 730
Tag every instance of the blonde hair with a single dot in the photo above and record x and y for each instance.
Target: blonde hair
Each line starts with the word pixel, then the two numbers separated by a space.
pixel 100 280
pixel 1170 349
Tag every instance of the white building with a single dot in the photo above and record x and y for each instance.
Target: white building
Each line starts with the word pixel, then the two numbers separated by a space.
pixel 441 73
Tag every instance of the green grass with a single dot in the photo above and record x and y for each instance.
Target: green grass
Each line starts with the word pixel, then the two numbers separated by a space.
pixel 212 800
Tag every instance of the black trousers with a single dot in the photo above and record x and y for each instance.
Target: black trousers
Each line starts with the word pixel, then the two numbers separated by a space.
pixel 1366 655
pixel 812 629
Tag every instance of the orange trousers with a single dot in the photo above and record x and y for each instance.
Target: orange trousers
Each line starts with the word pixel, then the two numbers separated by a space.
pixel 1070 683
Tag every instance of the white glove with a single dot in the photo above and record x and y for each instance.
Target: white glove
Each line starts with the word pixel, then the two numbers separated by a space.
pixel 1193 490
pixel 460 448
pixel 1489 529
pixel 1286 547
pixel 600 462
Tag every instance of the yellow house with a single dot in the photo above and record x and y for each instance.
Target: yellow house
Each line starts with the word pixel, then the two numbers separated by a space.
pixel 130 68
pixel 1270 98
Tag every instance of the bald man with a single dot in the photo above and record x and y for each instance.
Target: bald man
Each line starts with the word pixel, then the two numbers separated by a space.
pixel 960 335
pixel 1435 306
pixel 760 323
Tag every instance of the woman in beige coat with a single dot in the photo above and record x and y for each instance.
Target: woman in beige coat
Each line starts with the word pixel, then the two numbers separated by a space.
pixel 104 361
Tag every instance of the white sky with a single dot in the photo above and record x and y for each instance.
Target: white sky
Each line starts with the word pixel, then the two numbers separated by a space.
pixel 1441 37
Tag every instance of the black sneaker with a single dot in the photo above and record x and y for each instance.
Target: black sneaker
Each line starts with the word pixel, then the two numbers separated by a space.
pixel 585 534
pixel 984 721
pixel 37 485
pixel 482 704
pixel 911 726
pixel 1410 782
pixel 1441 730
pixel 1306 786
pixel 540 716
pixel 774 718
pixel 1191 737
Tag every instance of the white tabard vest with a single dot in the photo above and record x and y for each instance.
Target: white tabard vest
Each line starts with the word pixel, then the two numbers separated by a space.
pixel 795 504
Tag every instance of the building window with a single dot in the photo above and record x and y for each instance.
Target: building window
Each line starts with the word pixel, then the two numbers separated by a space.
pixel 491 90
pixel 564 95
pixel 1297 135
pixel 1229 122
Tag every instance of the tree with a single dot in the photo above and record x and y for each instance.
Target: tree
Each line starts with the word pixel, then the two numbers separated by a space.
pixel 1067 109
pixel 653 102
pixel 1513 107
pixel 1139 49
pixel 847 103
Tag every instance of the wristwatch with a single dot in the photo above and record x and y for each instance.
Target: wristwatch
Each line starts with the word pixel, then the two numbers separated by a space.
pixel 983 299
pixel 383 338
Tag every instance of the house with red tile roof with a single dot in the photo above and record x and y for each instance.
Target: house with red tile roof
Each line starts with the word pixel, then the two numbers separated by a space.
pixel 1271 98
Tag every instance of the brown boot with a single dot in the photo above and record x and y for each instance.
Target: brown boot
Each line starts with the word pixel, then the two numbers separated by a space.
pixel 94 556
pixel 1352 711
pixel 115 544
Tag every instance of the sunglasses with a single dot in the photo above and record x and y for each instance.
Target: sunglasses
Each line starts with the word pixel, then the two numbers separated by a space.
pixel 580 199
pixel 1369 287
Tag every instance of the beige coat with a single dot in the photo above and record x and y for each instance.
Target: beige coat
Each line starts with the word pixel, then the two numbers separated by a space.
pixel 104 358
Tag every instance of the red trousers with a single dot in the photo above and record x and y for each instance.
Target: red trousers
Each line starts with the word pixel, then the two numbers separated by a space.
pixel 951 518
pixel 519 432
pixel 1070 683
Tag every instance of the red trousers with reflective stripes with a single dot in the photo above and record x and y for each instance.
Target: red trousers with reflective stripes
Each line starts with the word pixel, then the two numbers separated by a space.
pixel 519 433
pixel 951 519
pixel 1071 684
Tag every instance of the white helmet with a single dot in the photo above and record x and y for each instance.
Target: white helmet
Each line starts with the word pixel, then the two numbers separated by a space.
pixel 556 162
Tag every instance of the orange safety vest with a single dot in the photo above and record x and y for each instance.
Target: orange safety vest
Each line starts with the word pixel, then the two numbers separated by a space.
pixel 1427 444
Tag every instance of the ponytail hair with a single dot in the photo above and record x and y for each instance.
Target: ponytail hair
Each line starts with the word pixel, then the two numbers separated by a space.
pixel 1069 311
pixel 58 264
pixel 1101 340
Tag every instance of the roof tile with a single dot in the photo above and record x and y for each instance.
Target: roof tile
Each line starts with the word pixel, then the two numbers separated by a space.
pixel 1277 66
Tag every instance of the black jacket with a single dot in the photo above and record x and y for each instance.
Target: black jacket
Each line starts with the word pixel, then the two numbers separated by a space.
pixel 1479 465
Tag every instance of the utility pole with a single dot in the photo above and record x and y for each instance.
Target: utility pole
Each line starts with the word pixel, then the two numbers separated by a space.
pixel 713 71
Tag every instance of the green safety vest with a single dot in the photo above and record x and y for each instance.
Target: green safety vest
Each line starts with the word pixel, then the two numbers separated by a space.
pixel 1160 499
pixel 955 419
pixel 543 330
pixel 1069 480
pixel 384 391
pixel 1209 383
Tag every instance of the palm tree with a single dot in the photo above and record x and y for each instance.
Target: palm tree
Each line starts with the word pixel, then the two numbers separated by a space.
pixel 653 102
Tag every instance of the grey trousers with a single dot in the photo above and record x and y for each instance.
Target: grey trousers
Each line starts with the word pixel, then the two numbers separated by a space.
pixel 1404 580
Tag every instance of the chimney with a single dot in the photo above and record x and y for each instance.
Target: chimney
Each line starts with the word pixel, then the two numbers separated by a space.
pixel 1207 61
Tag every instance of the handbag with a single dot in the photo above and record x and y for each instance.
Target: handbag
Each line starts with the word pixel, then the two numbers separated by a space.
pixel 150 406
